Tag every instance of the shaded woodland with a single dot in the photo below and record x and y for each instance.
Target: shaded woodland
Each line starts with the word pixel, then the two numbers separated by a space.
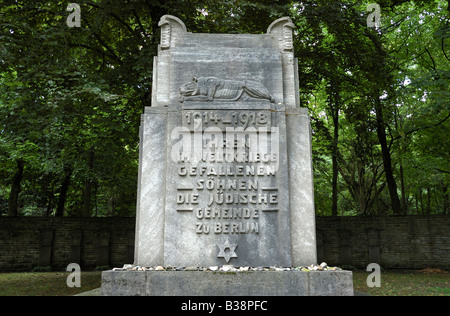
pixel 71 100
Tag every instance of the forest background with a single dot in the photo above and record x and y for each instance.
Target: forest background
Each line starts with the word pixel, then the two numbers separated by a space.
pixel 71 100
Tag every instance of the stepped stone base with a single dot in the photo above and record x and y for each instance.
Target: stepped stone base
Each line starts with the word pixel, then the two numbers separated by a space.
pixel 209 283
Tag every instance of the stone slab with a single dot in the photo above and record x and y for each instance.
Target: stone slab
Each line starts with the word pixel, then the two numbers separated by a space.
pixel 151 189
pixel 209 283
pixel 225 168
pixel 301 188
pixel 242 202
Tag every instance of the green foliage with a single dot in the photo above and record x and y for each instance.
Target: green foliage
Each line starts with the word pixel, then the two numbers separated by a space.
pixel 67 103
pixel 357 81
pixel 71 99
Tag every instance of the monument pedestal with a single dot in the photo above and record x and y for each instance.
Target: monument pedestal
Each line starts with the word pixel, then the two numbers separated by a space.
pixel 218 283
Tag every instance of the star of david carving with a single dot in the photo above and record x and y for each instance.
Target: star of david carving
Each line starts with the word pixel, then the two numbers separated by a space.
pixel 227 255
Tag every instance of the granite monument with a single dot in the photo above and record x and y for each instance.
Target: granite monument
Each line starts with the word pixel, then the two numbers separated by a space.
pixel 225 169
pixel 225 165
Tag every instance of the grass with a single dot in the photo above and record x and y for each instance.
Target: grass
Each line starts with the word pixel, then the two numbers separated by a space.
pixel 46 283
pixel 405 283
pixel 393 283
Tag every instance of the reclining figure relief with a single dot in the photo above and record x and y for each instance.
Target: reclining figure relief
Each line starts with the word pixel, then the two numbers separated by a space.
pixel 215 89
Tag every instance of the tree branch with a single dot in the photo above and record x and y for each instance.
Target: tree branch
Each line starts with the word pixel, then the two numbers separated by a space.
pixel 140 23
pixel 113 15
pixel 443 50
pixel 98 50
pixel 423 127
pixel 444 171
pixel 432 59
pixel 103 43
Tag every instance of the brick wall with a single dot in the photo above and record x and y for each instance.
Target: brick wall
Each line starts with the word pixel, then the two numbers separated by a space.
pixel 27 242
pixel 393 242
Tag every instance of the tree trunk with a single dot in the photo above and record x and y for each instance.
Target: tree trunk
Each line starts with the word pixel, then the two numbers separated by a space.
pixel 417 202
pixel 428 200
pixel 403 189
pixel 445 197
pixel 334 181
pixel 387 162
pixel 63 192
pixel 334 104
pixel 421 202
pixel 398 126
pixel 13 202
pixel 157 11
pixel 49 207
pixel 87 192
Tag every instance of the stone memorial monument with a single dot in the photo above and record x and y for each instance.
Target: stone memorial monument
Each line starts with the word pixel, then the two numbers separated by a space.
pixel 225 169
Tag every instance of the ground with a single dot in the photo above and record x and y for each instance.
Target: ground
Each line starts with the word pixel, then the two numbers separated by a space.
pixel 45 283
pixel 428 282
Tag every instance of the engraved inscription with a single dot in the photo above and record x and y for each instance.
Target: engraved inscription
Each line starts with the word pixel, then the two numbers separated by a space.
pixel 223 119
pixel 227 163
